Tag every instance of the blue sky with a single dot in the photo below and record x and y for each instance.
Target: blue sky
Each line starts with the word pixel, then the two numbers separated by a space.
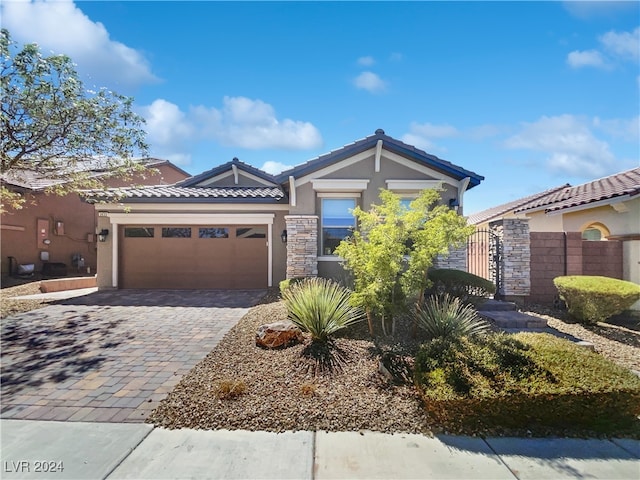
pixel 530 95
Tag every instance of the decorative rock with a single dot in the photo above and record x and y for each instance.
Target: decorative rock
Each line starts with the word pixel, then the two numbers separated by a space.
pixel 278 334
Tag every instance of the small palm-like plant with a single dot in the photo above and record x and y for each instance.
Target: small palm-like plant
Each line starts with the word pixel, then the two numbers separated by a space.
pixel 447 317
pixel 321 307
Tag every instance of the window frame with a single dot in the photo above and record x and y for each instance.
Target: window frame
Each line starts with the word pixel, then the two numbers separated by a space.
pixel 334 196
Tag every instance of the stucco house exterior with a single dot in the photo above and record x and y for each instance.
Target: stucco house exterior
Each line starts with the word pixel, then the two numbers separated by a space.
pixel 590 229
pixel 61 229
pixel 236 226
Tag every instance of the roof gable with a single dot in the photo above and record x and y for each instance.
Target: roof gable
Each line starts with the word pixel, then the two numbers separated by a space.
pixel 388 143
pixel 233 168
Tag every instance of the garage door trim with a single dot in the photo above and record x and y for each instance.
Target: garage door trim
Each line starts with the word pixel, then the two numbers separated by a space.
pixel 117 219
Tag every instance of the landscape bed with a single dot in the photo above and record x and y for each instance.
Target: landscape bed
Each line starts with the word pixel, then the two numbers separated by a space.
pixel 242 386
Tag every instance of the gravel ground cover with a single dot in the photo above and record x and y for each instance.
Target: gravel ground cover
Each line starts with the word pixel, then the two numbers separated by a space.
pixel 241 386
pixel 12 288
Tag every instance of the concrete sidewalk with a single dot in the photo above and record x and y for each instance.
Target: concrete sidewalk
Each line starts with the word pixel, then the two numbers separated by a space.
pixel 62 450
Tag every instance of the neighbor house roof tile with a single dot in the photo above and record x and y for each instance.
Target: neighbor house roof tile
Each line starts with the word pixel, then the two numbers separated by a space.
pixel 566 196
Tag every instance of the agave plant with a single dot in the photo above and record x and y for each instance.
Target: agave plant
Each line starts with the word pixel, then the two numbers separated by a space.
pixel 321 307
pixel 448 317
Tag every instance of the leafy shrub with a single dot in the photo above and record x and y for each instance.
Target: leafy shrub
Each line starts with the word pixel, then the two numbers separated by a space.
pixel 592 299
pixel 284 284
pixel 464 285
pixel 538 382
pixel 447 317
pixel 321 307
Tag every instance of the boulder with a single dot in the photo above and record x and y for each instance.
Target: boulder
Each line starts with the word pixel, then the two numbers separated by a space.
pixel 278 334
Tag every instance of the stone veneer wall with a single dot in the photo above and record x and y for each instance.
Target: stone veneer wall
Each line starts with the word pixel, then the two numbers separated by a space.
pixel 516 257
pixel 457 259
pixel 302 245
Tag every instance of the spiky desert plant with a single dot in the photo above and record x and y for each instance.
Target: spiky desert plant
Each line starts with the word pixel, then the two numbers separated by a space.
pixel 447 317
pixel 321 307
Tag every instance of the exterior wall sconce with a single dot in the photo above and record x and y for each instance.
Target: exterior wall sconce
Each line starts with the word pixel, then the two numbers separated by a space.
pixel 283 236
pixel 102 236
pixel 454 203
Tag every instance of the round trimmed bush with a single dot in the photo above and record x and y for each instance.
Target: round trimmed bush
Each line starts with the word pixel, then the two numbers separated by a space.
pixel 592 299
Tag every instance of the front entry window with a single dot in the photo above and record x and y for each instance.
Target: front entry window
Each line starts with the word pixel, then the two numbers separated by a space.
pixel 337 222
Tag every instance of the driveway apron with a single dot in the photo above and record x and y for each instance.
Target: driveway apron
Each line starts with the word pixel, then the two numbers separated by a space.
pixel 113 355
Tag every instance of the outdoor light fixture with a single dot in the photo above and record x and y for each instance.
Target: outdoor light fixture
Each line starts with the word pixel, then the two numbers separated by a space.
pixel 454 202
pixel 102 236
pixel 283 236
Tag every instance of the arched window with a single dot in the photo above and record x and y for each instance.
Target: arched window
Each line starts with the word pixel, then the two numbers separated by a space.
pixel 595 232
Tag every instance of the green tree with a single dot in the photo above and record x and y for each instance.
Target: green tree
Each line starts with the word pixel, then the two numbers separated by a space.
pixel 53 127
pixel 390 253
pixel 374 254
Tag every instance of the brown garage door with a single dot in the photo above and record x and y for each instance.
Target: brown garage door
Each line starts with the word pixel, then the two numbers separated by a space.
pixel 193 256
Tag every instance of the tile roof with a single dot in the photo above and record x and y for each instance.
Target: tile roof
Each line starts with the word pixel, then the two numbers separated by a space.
pixel 560 198
pixel 164 193
pixel 500 210
pixel 37 180
pixel 389 143
pixel 617 185
pixel 190 182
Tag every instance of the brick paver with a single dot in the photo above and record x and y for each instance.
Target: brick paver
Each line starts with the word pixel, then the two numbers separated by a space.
pixel 110 356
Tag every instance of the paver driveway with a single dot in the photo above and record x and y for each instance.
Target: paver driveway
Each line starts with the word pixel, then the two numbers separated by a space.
pixel 111 356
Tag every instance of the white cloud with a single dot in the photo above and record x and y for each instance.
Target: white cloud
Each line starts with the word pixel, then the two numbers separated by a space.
pixel 366 61
pixel 625 45
pixel 168 130
pixel 625 128
pixel 586 58
pixel 61 27
pixel 616 47
pixel 371 82
pixel 275 167
pixel 597 9
pixel 433 131
pixel 569 143
pixel 240 122
pixel 422 135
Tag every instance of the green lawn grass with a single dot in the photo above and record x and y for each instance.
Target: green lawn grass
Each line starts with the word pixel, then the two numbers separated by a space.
pixel 528 382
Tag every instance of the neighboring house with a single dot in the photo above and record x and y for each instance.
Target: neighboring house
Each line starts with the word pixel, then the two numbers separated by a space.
pixel 236 226
pixel 61 229
pixel 593 228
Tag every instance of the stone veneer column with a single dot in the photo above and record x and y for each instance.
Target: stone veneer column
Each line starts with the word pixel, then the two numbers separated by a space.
pixel 456 259
pixel 302 245
pixel 516 258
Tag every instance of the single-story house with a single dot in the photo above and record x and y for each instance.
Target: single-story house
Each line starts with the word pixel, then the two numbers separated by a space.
pixel 236 226
pixel 52 229
pixel 598 224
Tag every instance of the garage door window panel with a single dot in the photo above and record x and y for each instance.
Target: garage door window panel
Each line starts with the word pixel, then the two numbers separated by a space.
pixel 176 232
pixel 139 232
pixel 251 232
pixel 213 232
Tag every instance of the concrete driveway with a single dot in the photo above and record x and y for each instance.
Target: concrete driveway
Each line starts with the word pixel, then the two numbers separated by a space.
pixel 111 356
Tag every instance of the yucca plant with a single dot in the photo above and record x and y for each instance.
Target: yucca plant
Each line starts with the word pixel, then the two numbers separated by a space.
pixel 448 317
pixel 321 307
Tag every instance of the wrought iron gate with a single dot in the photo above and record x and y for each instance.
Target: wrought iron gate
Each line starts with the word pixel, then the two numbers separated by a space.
pixel 484 256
